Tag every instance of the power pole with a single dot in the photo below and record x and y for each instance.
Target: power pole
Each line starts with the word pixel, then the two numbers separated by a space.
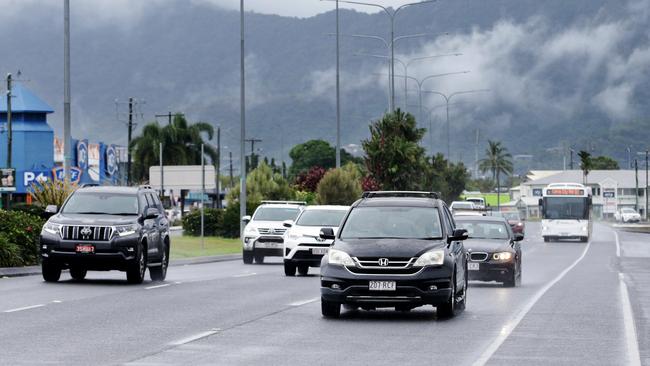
pixel 338 91
pixel 636 176
pixel 252 141
pixel 9 134
pixel 242 174
pixel 571 159
pixel 232 183
pixel 67 132
pixel 645 210
pixel 478 131
pixel 162 175
pixel 218 166
pixel 169 116
pixel 128 148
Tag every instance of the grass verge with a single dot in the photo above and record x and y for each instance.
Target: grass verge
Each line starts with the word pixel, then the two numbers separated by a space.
pixel 190 246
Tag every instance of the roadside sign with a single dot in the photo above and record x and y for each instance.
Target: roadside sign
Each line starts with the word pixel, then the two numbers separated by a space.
pixel 39 176
pixel 8 180
pixel 75 174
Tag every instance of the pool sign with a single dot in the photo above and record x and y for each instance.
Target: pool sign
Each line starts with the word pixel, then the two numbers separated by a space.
pixel 75 174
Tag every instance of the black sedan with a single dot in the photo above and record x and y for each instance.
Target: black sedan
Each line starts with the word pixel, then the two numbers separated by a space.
pixel 494 250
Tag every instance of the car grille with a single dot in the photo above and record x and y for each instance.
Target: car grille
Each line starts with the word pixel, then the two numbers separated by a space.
pixel 395 266
pixel 270 239
pixel 86 233
pixel 478 257
pixel 267 231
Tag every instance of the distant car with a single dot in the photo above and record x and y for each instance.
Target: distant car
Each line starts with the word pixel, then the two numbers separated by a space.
pixel 264 231
pixel 462 205
pixel 627 214
pixel 479 202
pixel 395 249
pixel 303 247
pixel 494 250
pixel 514 220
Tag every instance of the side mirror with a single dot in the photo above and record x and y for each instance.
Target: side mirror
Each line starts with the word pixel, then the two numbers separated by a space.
pixel 51 209
pixel 287 223
pixel 246 219
pixel 327 233
pixel 519 237
pixel 151 213
pixel 459 234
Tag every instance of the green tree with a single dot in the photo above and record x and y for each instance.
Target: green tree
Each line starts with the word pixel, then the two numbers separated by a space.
pixel 181 145
pixel 394 157
pixel 498 161
pixel 339 187
pixel 586 164
pixel 263 184
pixel 448 178
pixel 604 163
pixel 316 153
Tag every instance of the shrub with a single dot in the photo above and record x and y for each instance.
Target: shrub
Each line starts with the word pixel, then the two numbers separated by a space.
pixel 231 218
pixel 212 226
pixel 51 192
pixel 35 210
pixel 339 187
pixel 21 230
pixel 308 197
pixel 9 253
pixel 308 181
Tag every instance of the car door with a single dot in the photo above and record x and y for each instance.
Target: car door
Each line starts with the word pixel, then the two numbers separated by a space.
pixel 162 223
pixel 456 248
pixel 151 229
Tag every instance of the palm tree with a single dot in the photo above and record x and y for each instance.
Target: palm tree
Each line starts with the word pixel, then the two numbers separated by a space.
pixel 498 161
pixel 585 164
pixel 181 145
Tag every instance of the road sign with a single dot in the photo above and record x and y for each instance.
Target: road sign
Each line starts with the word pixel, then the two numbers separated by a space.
pixel 179 177
pixel 8 180
pixel 75 174
pixel 39 176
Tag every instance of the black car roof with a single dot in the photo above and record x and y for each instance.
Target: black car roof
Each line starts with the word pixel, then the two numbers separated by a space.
pixel 397 202
pixel 112 189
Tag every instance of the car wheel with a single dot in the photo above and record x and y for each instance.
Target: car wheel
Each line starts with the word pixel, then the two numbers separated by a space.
pixel 259 259
pixel 138 267
pixel 448 309
pixel 330 309
pixel 78 273
pixel 289 269
pixel 247 256
pixel 463 303
pixel 51 272
pixel 159 273
pixel 303 269
pixel 546 239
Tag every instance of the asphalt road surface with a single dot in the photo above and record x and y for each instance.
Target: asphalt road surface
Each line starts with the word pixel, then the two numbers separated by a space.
pixel 579 304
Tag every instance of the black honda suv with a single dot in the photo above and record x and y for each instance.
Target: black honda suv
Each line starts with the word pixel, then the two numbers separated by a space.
pixel 395 249
pixel 107 228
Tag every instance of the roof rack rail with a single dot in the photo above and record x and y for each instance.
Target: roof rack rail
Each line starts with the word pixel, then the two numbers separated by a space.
pixel 303 203
pixel 421 194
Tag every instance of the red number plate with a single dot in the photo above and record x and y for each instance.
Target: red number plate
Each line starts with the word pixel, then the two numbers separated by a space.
pixel 85 248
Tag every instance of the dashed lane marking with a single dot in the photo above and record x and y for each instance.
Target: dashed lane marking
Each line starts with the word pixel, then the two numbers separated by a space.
pixel 195 337
pixel 24 308
pixel 632 341
pixel 304 302
pixel 157 286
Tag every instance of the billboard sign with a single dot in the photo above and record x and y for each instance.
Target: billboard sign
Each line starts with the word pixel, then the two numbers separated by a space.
pixel 37 176
pixel 82 154
pixel 93 161
pixel 7 180
pixel 75 174
pixel 111 160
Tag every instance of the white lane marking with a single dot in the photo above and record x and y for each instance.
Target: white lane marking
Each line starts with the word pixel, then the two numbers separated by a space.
pixel 304 302
pixel 245 275
pixel 24 308
pixel 195 337
pixel 57 301
pixel 157 286
pixel 618 244
pixel 633 354
pixel 510 326
pixel 178 283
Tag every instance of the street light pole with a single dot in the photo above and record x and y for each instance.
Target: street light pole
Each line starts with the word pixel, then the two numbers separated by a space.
pixel 242 174
pixel 202 196
pixel 338 90
pixel 67 134
pixel 645 211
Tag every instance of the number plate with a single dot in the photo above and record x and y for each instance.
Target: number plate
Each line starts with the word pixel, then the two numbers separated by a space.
pixel 269 245
pixel 473 266
pixel 81 248
pixel 382 286
pixel 319 251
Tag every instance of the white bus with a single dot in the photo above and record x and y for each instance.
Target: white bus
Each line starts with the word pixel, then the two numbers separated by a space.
pixel 566 212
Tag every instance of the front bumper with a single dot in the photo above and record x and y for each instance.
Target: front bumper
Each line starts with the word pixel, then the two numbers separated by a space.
pixel 492 271
pixel 115 254
pixel 305 252
pixel 340 285
pixel 266 245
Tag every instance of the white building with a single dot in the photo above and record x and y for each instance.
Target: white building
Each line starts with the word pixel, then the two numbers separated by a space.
pixel 612 190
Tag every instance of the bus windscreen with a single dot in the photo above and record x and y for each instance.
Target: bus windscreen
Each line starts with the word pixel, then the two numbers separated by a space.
pixel 566 208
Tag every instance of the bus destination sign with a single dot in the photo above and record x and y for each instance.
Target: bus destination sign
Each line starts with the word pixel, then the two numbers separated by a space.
pixel 565 192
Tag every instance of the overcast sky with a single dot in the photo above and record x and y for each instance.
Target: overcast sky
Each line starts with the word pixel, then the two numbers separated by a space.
pixel 300 8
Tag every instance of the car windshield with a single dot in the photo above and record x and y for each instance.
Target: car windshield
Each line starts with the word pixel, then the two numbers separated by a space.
pixel 276 213
pixel 331 218
pixel 628 210
pixel 484 230
pixel 101 204
pixel 467 205
pixel 510 215
pixel 392 222
pixel 566 208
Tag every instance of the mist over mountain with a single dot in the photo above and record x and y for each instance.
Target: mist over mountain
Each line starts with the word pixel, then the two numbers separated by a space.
pixel 560 73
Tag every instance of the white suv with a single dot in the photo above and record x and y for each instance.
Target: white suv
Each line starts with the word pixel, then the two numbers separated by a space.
pixel 263 234
pixel 303 247
pixel 627 214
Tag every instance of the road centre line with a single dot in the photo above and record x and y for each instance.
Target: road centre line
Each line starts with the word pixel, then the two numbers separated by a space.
pixel 510 327
pixel 618 244
pixel 24 308
pixel 157 286
pixel 634 357
pixel 195 337
pixel 304 302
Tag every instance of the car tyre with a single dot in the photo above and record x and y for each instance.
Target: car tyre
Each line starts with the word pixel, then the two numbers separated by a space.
pixel 289 269
pixel 303 269
pixel 159 273
pixel 330 309
pixel 51 272
pixel 247 255
pixel 259 259
pixel 137 268
pixel 78 273
pixel 584 239
pixel 546 239
pixel 448 309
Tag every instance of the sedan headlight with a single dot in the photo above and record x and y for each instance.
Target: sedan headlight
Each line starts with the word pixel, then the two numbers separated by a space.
pixel 340 258
pixel 502 256
pixel 124 230
pixel 52 228
pixel 432 258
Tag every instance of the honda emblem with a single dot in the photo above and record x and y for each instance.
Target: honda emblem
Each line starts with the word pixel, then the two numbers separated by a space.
pixel 383 262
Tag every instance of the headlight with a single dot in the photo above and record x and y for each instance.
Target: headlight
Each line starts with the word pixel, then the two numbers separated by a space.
pixel 520 224
pixel 249 230
pixel 432 258
pixel 124 230
pixel 340 258
pixel 584 228
pixel 52 228
pixel 544 228
pixel 503 256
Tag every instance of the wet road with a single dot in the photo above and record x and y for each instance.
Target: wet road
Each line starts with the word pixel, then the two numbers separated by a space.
pixel 579 303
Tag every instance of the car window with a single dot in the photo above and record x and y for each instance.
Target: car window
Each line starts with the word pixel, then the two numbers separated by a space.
pixel 485 230
pixel 154 201
pixel 326 218
pixel 451 225
pixel 275 213
pixel 392 222
pixel 143 202
pixel 101 203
